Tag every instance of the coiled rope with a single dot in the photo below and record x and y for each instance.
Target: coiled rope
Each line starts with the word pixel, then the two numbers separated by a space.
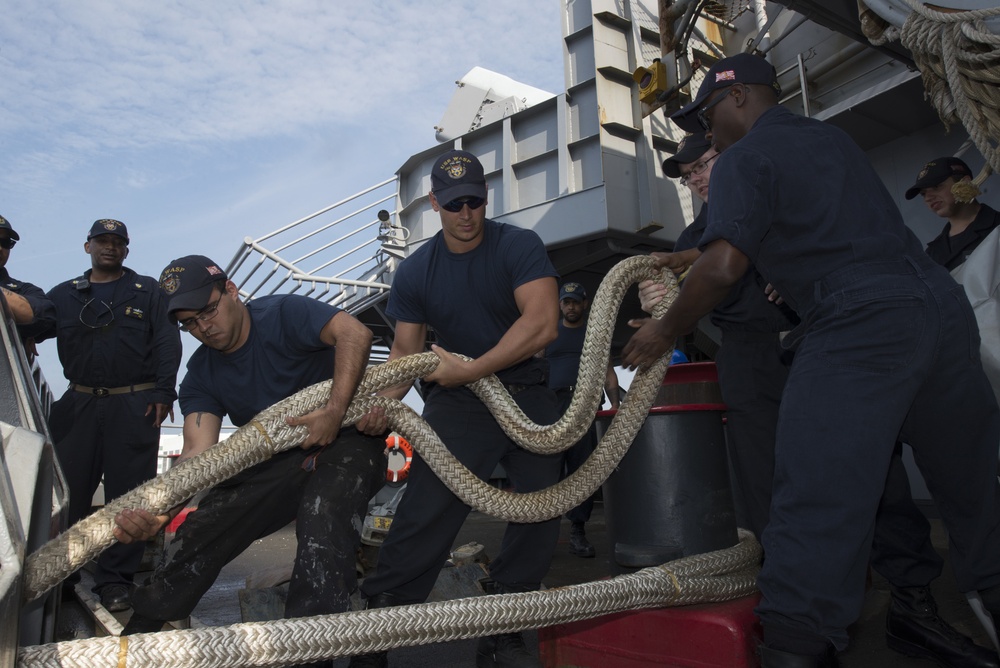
pixel 959 61
pixel 267 434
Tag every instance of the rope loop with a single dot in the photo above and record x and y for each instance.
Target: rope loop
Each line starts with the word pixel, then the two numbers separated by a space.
pixel 715 576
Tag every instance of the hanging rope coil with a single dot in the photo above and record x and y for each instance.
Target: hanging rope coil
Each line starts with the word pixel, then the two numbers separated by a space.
pixel 959 60
pixel 268 433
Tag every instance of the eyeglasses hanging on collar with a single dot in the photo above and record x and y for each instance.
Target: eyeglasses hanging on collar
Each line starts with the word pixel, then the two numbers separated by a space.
pixel 96 317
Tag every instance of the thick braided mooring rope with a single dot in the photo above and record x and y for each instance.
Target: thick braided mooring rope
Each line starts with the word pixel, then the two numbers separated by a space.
pixel 959 60
pixel 715 576
pixel 268 433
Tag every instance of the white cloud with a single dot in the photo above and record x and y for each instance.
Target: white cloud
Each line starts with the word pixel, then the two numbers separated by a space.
pixel 198 123
pixel 97 78
pixel 130 74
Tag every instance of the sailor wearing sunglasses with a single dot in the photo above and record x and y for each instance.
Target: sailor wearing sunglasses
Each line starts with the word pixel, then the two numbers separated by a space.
pixel 489 292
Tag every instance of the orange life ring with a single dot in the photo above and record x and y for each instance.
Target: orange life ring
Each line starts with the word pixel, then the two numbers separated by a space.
pixel 396 448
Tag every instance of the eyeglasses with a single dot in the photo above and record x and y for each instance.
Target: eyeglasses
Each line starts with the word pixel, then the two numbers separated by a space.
pixel 7 243
pixel 698 168
pixel 204 315
pixel 456 205
pixel 96 319
pixel 702 118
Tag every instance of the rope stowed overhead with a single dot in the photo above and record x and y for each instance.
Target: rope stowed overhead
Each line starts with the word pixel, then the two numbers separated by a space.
pixel 959 59
pixel 717 576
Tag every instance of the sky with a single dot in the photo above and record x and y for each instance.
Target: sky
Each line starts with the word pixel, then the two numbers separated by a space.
pixel 199 123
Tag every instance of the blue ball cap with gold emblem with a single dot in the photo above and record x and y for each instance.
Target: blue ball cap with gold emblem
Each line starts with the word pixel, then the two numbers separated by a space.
pixel 573 291
pixel 457 174
pixel 108 226
pixel 188 282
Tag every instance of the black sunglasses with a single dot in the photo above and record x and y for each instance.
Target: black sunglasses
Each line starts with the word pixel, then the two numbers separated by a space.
pixel 7 243
pixel 702 117
pixel 456 205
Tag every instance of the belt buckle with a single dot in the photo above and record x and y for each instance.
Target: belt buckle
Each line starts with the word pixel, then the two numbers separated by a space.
pixel 101 392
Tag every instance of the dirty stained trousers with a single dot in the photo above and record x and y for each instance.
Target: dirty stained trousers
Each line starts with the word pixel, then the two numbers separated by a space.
pixel 328 504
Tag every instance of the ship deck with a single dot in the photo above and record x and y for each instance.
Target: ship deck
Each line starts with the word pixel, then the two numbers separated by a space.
pixel 220 605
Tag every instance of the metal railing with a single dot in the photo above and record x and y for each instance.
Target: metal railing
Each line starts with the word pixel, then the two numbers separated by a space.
pixel 343 254
pixel 33 494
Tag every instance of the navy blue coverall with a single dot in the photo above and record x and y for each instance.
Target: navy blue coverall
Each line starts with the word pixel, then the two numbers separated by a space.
pixel 120 355
pixel 888 347
pixel 753 369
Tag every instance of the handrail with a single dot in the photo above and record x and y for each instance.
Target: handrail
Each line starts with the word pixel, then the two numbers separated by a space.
pixel 326 209
pixel 33 492
pixel 355 254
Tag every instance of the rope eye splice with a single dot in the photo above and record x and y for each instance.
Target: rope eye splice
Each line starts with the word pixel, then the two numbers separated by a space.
pixel 716 576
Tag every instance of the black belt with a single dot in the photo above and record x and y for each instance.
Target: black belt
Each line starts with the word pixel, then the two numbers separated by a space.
pixel 109 391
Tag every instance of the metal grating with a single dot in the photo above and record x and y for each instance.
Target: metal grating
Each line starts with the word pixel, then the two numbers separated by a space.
pixel 726 10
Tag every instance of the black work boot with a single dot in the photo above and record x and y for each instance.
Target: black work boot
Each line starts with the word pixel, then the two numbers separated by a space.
pixel 115 597
pixel 506 650
pixel 913 628
pixel 579 546
pixel 776 658
pixel 375 659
